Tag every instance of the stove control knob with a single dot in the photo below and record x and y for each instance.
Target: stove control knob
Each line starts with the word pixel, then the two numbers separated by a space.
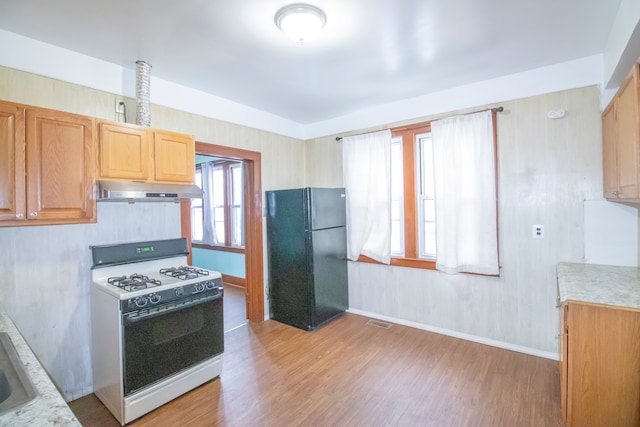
pixel 140 301
pixel 199 287
pixel 179 291
pixel 154 298
pixel 210 284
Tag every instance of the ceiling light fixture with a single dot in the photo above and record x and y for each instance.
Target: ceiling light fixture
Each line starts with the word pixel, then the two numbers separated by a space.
pixel 301 22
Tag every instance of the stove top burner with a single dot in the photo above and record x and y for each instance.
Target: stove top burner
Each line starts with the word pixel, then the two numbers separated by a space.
pixel 135 282
pixel 184 273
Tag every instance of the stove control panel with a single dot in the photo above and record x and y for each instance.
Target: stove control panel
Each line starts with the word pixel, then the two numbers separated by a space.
pixel 209 287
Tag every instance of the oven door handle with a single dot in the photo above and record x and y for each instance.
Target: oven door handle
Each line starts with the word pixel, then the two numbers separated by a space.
pixel 145 314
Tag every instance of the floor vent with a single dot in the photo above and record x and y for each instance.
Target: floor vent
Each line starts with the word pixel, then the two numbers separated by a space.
pixel 379 324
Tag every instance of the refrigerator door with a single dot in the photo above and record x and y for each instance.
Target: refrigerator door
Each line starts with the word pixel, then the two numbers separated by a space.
pixel 329 288
pixel 326 208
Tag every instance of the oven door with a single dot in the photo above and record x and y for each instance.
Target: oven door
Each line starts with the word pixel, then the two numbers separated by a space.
pixel 170 338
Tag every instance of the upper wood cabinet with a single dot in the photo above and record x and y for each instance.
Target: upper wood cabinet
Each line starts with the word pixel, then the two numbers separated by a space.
pixel 47 166
pixel 175 157
pixel 621 142
pixel 124 152
pixel 132 152
pixel 12 162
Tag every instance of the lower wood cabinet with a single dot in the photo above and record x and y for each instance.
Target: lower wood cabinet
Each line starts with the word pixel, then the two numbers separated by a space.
pixel 600 365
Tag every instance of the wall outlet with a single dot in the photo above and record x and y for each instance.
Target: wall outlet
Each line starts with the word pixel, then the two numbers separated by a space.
pixel 119 106
pixel 537 231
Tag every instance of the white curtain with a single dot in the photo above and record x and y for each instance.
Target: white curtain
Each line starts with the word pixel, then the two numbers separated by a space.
pixel 208 211
pixel 367 180
pixel 465 192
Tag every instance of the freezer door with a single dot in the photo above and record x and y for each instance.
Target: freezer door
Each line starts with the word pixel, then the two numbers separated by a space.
pixel 326 207
pixel 328 275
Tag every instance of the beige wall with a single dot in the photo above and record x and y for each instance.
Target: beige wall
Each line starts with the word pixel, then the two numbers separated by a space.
pixel 45 270
pixel 547 168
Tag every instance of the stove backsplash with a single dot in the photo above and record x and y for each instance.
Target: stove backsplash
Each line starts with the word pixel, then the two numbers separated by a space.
pixel 45 282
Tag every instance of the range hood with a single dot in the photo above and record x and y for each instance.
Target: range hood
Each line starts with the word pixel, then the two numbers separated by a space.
pixel 133 191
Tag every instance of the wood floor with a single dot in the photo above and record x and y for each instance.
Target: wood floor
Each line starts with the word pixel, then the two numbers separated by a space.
pixel 235 310
pixel 349 373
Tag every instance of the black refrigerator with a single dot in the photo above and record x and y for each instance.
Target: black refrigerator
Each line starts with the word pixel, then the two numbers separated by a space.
pixel 307 252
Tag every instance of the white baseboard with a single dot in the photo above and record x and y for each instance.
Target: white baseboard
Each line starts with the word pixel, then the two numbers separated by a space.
pixel 461 335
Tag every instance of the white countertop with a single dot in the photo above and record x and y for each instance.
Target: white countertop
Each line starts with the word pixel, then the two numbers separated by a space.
pixel 49 408
pixel 599 284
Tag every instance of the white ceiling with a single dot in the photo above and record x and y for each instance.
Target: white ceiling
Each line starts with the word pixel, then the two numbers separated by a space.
pixel 371 52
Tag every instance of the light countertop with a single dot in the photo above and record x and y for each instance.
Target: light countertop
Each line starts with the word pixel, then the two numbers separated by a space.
pixel 49 408
pixel 599 284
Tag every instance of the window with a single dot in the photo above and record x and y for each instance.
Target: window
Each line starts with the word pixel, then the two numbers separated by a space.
pixel 235 201
pixel 420 147
pixel 466 179
pixel 197 218
pixel 426 197
pixel 413 200
pixel 217 219
pixel 397 209
pixel 440 190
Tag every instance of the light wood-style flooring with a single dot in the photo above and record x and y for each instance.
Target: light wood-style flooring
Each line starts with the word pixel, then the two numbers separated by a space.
pixel 235 309
pixel 349 373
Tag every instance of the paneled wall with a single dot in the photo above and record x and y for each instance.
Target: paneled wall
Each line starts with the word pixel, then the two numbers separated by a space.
pixel 45 270
pixel 547 169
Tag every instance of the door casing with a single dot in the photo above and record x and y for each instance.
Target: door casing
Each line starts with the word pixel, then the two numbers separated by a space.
pixel 254 267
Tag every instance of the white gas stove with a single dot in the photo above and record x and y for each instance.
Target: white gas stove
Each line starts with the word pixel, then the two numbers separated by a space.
pixel 157 325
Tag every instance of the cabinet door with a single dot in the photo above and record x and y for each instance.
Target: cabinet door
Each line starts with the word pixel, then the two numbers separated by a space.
pixel 12 179
pixel 603 375
pixel 626 140
pixel 124 152
pixel 174 157
pixel 60 166
pixel 610 179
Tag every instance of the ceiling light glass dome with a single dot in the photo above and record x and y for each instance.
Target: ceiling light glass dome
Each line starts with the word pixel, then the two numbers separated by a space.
pixel 301 22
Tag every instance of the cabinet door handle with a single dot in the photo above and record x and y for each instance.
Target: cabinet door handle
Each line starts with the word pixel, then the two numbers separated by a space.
pixel 19 215
pixel 614 193
pixel 33 214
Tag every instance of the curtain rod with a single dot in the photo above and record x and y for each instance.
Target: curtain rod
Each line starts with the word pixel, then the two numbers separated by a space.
pixel 498 109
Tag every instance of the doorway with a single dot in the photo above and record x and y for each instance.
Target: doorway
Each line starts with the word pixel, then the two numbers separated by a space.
pixel 252 194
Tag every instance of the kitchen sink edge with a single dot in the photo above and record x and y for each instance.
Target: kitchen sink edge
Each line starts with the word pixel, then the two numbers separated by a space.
pixel 16 388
